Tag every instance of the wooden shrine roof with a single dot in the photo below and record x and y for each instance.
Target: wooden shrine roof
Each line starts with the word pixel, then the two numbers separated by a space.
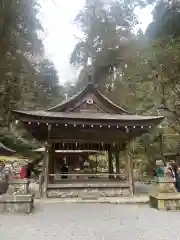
pixel 87 115
pixel 5 150
pixel 88 104
pixel 70 103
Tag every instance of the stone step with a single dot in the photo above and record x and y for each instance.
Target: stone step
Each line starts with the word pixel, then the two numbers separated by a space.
pixel 90 196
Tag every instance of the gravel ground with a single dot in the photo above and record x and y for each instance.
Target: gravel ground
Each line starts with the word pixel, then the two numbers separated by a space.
pixel 67 221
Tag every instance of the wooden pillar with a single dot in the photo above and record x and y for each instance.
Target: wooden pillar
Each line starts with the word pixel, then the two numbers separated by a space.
pixel 46 162
pixel 110 163
pixel 46 169
pixel 117 163
pixel 129 162
pixel 96 164
pixel 54 159
pixel 51 160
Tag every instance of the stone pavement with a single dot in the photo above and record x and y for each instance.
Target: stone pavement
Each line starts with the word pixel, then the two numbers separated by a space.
pixel 121 200
pixel 67 221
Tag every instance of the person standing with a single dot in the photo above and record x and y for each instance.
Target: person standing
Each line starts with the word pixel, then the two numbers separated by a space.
pixel 171 169
pixel 64 170
pixel 28 170
pixel 23 172
pixel 176 171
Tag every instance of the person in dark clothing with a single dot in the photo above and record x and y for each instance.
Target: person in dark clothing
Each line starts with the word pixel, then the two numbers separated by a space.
pixel 172 169
pixel 64 170
pixel 28 171
pixel 176 171
pixel 154 173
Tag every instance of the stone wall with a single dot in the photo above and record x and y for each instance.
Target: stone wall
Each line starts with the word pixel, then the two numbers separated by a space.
pixel 16 203
pixel 88 192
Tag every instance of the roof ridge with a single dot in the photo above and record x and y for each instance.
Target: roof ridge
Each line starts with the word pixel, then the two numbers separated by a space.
pixel 112 103
pixel 67 100
pixel 90 87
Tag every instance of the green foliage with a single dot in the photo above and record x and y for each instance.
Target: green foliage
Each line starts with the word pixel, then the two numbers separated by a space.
pixel 139 72
pixel 21 145
pixel 19 44
pixel 47 92
pixel 165 22
pixel 27 80
pixel 107 29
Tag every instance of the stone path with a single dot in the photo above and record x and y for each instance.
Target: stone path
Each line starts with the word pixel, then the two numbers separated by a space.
pixel 68 221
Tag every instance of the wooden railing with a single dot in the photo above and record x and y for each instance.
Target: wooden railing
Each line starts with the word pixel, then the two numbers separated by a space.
pixel 90 175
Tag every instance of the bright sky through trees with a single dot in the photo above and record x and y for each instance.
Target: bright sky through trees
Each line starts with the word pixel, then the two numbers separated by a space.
pixel 57 17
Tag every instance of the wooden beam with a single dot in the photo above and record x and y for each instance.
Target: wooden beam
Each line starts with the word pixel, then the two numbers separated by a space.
pixel 94 134
pixel 129 162
pixel 89 121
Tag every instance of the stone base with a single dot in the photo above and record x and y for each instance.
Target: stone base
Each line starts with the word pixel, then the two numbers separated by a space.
pixel 164 195
pixel 19 186
pixel 165 201
pixel 16 203
pixel 88 193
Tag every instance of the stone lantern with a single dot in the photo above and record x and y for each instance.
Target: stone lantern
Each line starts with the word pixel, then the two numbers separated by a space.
pixel 164 195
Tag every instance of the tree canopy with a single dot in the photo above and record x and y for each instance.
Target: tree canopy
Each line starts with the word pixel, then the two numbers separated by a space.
pixel 137 71
pixel 27 78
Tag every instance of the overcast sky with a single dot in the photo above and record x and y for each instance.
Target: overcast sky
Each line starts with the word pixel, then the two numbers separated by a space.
pixel 57 18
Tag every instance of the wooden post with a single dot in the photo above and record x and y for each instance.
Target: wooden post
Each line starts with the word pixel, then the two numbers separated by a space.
pixel 110 163
pixel 117 163
pixel 41 181
pixel 46 169
pixel 130 167
pixel 51 160
pixel 96 163
pixel 54 159
pixel 46 163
